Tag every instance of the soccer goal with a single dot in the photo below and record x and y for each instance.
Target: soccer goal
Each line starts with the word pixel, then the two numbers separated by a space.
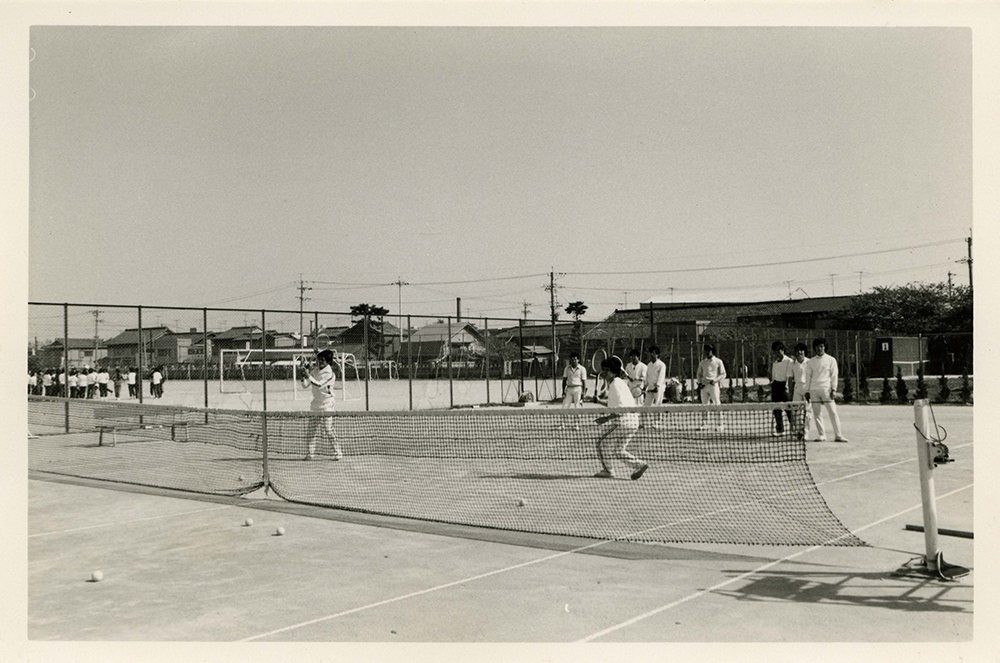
pixel 239 368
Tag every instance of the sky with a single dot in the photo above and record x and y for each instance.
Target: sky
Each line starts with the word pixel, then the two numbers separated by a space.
pixel 225 166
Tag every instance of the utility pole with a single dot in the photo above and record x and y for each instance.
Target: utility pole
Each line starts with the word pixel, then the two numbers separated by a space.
pixel 789 284
pixel 950 274
pixel 97 320
pixel 551 287
pixel 526 309
pixel 671 295
pixel 833 291
pixel 861 287
pixel 302 298
pixel 399 283
pixel 968 260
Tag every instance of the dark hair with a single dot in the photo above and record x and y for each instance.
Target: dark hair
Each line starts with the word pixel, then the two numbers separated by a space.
pixel 818 342
pixel 777 345
pixel 613 365
pixel 633 353
pixel 709 346
pixel 327 356
pixel 801 346
pixel 574 354
pixel 654 348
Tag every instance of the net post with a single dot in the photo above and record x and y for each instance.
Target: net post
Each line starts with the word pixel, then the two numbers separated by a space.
pixel 263 358
pixel 926 466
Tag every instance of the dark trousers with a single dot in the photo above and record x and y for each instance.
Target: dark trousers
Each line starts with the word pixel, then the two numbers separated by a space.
pixel 779 394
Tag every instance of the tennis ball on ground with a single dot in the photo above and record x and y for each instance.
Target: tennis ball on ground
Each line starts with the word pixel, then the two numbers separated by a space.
pixel 248 522
pixel 97 576
pixel 281 531
pixel 242 478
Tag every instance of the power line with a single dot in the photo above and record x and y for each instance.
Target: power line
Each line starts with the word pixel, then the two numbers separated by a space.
pixel 769 264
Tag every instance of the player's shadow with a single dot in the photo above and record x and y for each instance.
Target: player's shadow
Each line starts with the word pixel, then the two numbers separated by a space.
pixel 537 477
pixel 872 590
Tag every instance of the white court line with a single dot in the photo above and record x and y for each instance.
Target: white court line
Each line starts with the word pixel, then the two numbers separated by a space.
pixel 137 520
pixel 746 575
pixel 462 581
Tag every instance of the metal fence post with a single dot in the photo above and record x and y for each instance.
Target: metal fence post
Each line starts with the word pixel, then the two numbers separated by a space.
pixel 65 387
pixel 486 340
pixel 409 357
pixel 451 383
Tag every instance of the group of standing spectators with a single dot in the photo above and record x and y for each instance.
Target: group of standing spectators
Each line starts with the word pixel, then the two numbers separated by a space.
pixel 89 382
pixel 813 380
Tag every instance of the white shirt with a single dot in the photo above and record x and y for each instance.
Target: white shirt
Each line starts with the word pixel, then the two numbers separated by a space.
pixel 620 396
pixel 821 373
pixel 46 380
pixel 656 375
pixel 321 380
pixel 636 372
pixel 74 381
pixel 799 374
pixel 157 377
pixel 575 377
pixel 131 377
pixel 102 377
pixel 711 369
pixel 782 370
pixel 82 379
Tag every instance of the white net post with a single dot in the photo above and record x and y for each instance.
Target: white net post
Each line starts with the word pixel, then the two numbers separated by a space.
pixel 925 459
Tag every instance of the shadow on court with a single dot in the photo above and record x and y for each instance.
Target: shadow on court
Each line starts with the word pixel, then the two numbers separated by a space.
pixel 870 590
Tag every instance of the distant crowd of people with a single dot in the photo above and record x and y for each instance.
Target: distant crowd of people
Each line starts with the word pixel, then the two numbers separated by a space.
pixel 91 382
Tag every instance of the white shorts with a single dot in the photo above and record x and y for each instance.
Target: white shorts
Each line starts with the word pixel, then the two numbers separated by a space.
pixel 573 396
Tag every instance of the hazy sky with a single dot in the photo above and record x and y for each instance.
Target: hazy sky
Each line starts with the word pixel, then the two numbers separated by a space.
pixel 213 166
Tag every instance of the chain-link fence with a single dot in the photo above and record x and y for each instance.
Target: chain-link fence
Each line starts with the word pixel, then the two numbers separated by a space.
pixel 254 359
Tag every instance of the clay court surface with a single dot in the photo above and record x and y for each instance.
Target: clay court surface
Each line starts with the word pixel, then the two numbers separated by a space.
pixel 185 567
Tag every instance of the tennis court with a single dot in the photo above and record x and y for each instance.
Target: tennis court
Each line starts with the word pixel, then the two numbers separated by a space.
pixel 179 565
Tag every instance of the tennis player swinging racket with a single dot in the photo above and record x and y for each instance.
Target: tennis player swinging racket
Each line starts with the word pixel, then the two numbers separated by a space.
pixel 624 424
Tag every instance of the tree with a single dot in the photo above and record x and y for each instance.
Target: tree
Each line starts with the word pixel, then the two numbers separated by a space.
pixel 901 389
pixel 921 391
pixel 910 309
pixel 965 393
pixel 848 390
pixel 577 309
pixel 886 395
pixel 943 390
pixel 359 311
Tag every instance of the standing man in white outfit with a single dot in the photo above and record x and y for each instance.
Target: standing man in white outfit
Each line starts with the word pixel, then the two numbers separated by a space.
pixel 798 385
pixel 574 382
pixel 821 389
pixel 656 378
pixel 636 372
pixel 711 373
pixel 321 379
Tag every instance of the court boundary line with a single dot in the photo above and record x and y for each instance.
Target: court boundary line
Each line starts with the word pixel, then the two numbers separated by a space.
pixel 494 572
pixel 744 576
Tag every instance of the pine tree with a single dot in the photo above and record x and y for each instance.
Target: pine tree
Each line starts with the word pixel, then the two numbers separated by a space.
pixel 921 391
pixel 943 391
pixel 886 396
pixel 901 390
pixel 848 390
pixel 965 393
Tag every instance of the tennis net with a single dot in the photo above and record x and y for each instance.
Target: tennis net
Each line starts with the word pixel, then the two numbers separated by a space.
pixel 717 474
